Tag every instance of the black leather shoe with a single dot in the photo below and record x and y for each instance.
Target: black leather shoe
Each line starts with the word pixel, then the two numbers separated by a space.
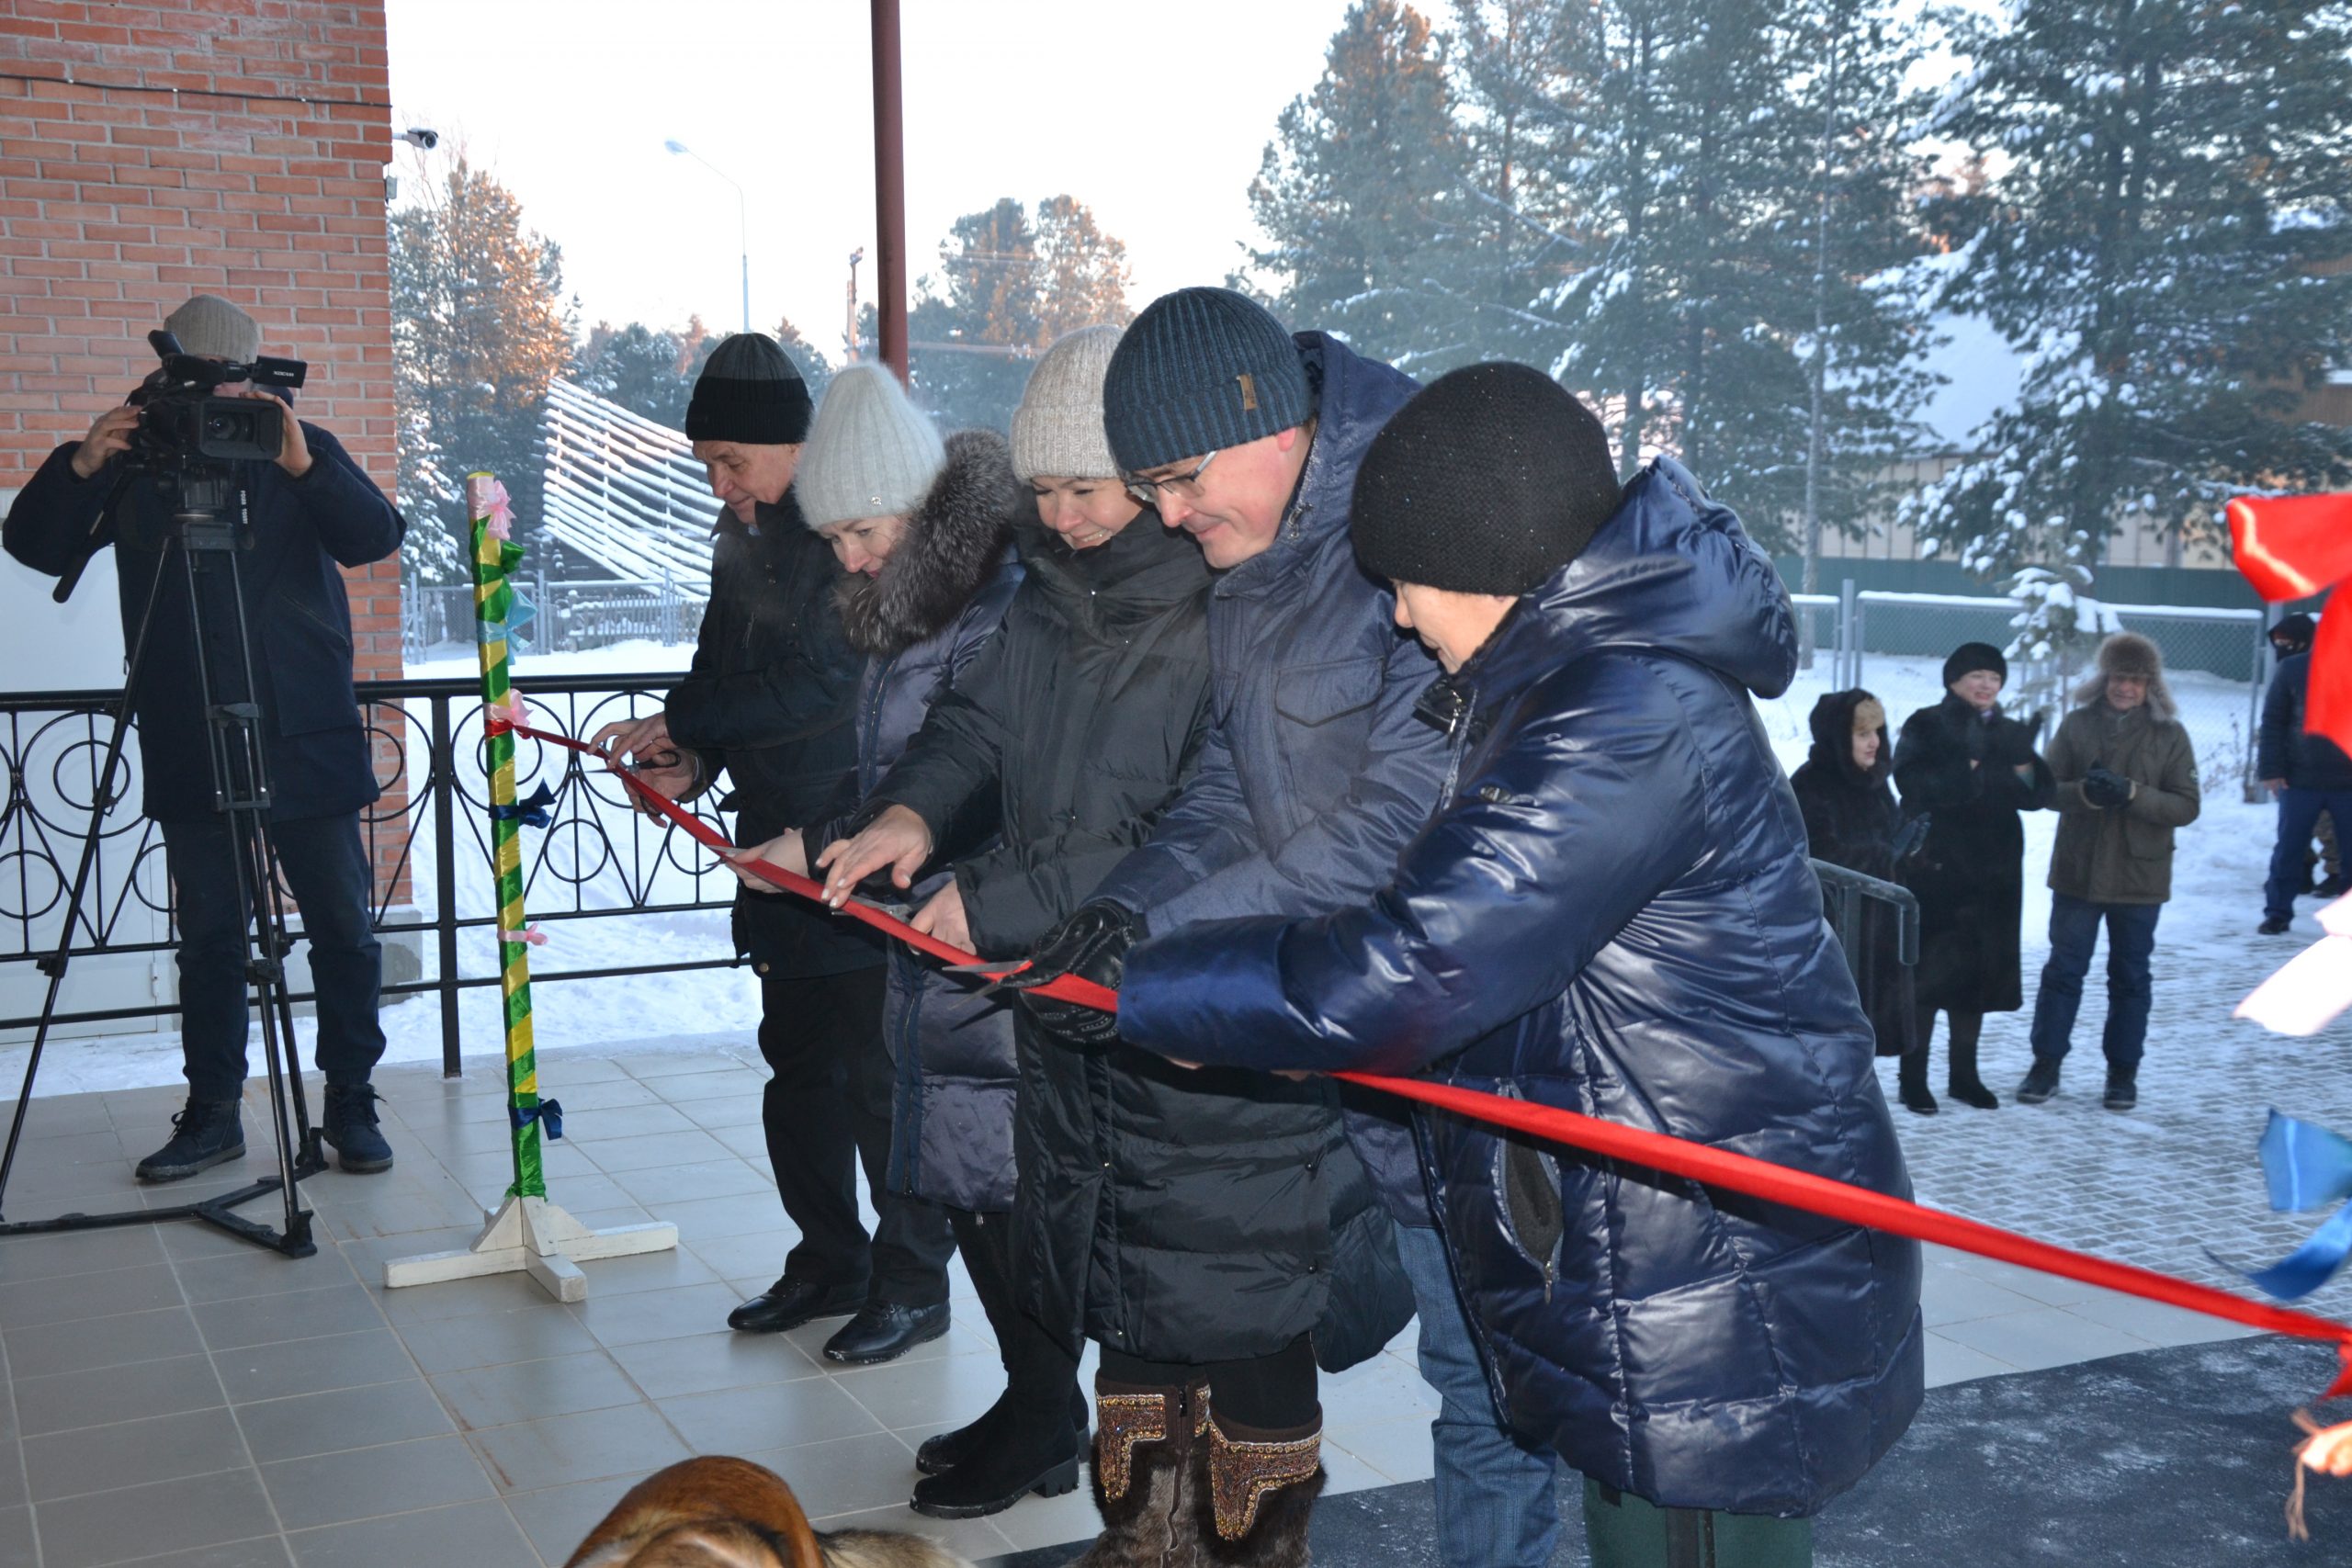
pixel 883 1331
pixel 940 1454
pixel 2040 1082
pixel 2122 1090
pixel 789 1302
pixel 2273 925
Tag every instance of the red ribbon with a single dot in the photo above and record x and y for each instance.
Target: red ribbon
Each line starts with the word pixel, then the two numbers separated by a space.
pixel 1660 1151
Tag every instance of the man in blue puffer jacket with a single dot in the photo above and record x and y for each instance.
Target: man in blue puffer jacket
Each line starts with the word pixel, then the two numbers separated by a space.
pixel 1314 775
pixel 1613 913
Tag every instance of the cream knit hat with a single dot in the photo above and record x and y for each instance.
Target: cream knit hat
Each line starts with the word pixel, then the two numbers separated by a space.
pixel 1057 431
pixel 211 328
pixel 871 453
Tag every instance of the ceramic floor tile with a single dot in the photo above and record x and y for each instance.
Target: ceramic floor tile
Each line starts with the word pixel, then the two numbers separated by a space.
pixel 189 1514
pixel 2155 1322
pixel 525 1391
pixel 672 1313
pixel 949 1391
pixel 256 1272
pixel 708 1218
pixel 1948 1361
pixel 557 1450
pixel 702 1362
pixel 1954 1295
pixel 474 1535
pixel 461 1298
pixel 774 1416
pixel 617 1155
pixel 662 1271
pixel 740 1083
pixel 41 1256
pixel 726 1111
pixel 265 1551
pixel 16 1535
pixel 311 1365
pixel 132 1454
pixel 978 1539
pixel 455 1344
pixel 1399 1449
pixel 752 1255
pixel 74 1298
pixel 557 1519
pixel 846 1474
pixel 307 1424
pixel 345 1308
pixel 594 1129
pixel 1037 1521
pixel 331 1489
pixel 105 1395
pixel 2050 1336
pixel 86 1343
pixel 660 1186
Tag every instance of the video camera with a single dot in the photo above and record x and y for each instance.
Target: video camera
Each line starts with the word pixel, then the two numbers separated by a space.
pixel 183 423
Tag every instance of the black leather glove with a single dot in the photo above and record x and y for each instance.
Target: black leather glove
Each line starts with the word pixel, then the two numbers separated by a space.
pixel 2105 790
pixel 1091 944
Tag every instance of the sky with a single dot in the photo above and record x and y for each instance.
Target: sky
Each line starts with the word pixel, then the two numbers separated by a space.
pixel 1153 112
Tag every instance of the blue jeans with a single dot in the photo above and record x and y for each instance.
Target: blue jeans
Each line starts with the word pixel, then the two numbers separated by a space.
pixel 325 868
pixel 2073 932
pixel 2299 812
pixel 1498 1498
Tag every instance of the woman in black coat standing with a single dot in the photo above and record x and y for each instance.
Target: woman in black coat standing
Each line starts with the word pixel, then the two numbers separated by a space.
pixel 1969 770
pixel 1182 1220
pixel 1851 820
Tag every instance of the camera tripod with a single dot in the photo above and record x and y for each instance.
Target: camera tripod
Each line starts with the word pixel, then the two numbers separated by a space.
pixel 207 547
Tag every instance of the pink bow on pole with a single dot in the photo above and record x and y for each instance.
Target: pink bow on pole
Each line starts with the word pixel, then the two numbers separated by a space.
pixel 531 934
pixel 499 510
pixel 506 714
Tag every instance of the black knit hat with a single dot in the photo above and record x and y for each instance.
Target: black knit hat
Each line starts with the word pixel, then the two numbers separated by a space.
pixel 1492 478
pixel 748 392
pixel 2298 630
pixel 1200 369
pixel 1973 656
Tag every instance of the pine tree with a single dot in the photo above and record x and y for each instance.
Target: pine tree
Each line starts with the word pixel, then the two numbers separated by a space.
pixel 478 329
pixel 1362 196
pixel 1676 166
pixel 1007 286
pixel 2168 246
pixel 639 368
pixel 814 367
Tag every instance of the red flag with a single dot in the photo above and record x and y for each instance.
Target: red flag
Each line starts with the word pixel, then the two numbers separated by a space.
pixel 2292 547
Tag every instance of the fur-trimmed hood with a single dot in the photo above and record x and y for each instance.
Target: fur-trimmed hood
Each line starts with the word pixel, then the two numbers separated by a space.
pixel 953 546
pixel 2128 653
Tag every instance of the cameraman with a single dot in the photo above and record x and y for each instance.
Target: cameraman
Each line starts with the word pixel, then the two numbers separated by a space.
pixel 310 509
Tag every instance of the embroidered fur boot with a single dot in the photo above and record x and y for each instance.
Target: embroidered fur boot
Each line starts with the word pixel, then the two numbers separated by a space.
pixel 1254 1492
pixel 1144 1443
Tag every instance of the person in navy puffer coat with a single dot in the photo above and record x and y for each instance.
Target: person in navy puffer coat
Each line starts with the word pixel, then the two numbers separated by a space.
pixel 1611 913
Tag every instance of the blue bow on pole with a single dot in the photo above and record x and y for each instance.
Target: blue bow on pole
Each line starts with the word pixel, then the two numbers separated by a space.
pixel 533 810
pixel 548 1113
pixel 2304 1166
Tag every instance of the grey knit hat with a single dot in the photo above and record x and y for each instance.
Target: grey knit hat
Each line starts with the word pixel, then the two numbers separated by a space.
pixel 1058 429
pixel 748 392
pixel 211 328
pixel 1199 370
pixel 871 453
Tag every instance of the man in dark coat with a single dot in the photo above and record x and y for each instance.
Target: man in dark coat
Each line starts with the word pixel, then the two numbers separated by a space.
pixel 2324 869
pixel 767 703
pixel 1315 770
pixel 2127 778
pixel 1851 820
pixel 2311 777
pixel 1969 768
pixel 310 512
pixel 1611 913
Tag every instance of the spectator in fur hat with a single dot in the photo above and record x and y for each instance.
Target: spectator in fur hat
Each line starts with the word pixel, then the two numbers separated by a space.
pixel 2127 778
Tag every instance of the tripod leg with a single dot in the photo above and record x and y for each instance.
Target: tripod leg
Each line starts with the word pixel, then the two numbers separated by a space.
pixel 101 800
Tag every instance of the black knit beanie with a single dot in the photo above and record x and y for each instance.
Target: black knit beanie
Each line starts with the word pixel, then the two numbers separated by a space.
pixel 1200 370
pixel 1492 478
pixel 1969 657
pixel 747 391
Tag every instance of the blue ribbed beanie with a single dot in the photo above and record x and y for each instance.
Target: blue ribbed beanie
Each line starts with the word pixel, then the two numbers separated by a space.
pixel 1200 369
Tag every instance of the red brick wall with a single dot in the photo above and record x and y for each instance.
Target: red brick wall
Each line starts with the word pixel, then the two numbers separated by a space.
pixel 157 149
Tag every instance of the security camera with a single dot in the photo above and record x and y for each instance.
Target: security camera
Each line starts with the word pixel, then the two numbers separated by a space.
pixel 423 139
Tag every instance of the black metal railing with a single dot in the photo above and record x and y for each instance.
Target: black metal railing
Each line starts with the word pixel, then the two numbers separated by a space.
pixel 1845 896
pixel 596 858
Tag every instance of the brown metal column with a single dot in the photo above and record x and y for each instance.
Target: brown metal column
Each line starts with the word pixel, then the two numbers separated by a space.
pixel 889 190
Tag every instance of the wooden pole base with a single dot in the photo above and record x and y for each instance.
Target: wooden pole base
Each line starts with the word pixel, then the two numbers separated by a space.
pixel 536 1238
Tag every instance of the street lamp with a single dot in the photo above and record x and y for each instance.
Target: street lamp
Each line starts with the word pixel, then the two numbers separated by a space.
pixel 742 220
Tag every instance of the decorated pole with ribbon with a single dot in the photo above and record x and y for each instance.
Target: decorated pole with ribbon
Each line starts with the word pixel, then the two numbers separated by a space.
pixel 494 554
pixel 526 1232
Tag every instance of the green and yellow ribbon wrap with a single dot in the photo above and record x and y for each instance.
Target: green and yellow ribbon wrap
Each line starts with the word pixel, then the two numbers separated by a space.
pixel 494 559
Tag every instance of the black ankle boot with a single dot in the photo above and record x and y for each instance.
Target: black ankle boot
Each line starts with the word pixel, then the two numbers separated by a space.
pixel 1962 1084
pixel 207 1134
pixel 1029 1453
pixel 1911 1083
pixel 349 1125
pixel 942 1453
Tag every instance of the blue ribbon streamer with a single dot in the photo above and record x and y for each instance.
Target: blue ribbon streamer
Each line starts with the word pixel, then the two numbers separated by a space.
pixel 548 1113
pixel 2305 1165
pixel 523 614
pixel 534 809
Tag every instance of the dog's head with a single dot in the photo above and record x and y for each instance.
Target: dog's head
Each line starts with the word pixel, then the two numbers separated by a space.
pixel 717 1512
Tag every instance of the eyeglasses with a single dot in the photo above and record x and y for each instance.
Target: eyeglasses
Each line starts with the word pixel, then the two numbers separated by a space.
pixel 1184 486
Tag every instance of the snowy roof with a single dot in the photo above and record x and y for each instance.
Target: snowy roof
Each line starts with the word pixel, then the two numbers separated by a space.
pixel 625 491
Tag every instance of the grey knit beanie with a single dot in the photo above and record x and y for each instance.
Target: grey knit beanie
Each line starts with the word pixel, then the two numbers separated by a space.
pixel 1058 429
pixel 211 328
pixel 1200 369
pixel 748 392
pixel 871 453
